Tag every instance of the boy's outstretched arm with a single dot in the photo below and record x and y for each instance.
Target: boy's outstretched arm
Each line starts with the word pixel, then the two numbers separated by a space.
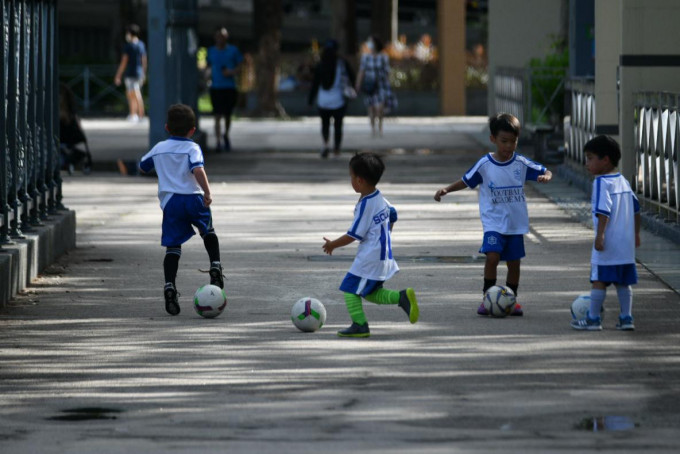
pixel 336 243
pixel 453 187
pixel 547 176
pixel 202 179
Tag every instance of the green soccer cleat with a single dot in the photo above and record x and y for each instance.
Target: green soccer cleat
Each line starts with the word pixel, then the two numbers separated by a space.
pixel 355 330
pixel 408 302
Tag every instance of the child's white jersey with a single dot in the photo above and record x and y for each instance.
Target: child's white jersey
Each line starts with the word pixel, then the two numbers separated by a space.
pixel 174 160
pixel 613 197
pixel 371 227
pixel 502 204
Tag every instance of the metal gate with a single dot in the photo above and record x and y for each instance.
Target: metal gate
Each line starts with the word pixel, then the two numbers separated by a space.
pixel 30 183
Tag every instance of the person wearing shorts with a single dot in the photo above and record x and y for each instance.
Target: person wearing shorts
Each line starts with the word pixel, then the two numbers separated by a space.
pixel 132 69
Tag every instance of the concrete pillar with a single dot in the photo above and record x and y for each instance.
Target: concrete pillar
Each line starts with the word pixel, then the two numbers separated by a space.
pixel 451 42
pixel 649 61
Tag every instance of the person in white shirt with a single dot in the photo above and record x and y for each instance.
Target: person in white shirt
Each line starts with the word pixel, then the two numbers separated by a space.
pixel 374 262
pixel 502 204
pixel 616 220
pixel 184 193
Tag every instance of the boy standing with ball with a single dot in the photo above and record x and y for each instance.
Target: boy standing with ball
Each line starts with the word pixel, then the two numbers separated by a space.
pixel 616 220
pixel 374 263
pixel 184 193
pixel 502 204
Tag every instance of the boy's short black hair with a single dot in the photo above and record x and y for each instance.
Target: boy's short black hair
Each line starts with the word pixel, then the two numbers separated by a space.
pixel 133 29
pixel 181 119
pixel 504 122
pixel 368 166
pixel 604 146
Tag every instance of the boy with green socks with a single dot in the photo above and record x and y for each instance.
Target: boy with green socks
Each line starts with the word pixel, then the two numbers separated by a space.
pixel 374 263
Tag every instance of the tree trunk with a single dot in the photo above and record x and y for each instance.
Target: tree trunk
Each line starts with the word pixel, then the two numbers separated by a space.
pixel 344 25
pixel 384 19
pixel 268 16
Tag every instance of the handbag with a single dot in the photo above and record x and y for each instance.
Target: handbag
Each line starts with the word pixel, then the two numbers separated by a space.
pixel 348 91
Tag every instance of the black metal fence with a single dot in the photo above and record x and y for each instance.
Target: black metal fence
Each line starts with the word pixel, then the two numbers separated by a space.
pixel 30 183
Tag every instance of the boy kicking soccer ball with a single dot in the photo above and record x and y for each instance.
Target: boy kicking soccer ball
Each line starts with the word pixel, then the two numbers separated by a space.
pixel 616 220
pixel 184 193
pixel 374 264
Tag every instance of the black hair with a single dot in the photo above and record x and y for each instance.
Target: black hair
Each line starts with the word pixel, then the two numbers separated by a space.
pixel 604 146
pixel 368 166
pixel 133 29
pixel 181 119
pixel 377 43
pixel 329 61
pixel 504 122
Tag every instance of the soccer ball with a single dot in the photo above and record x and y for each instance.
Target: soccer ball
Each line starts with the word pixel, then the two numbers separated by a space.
pixel 308 314
pixel 499 301
pixel 209 301
pixel 580 306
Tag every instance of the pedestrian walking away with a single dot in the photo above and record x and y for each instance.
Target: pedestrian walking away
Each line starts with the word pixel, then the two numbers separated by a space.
pixel 374 263
pixel 132 69
pixel 224 60
pixel 333 87
pixel 616 221
pixel 373 81
pixel 502 204
pixel 185 197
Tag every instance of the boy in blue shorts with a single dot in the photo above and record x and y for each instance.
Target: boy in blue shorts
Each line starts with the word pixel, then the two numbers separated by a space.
pixel 184 193
pixel 616 221
pixel 374 263
pixel 502 204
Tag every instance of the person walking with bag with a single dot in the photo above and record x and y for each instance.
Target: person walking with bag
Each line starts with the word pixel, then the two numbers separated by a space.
pixel 373 81
pixel 332 86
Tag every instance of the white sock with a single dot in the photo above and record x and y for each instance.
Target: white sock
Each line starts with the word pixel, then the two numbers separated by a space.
pixel 596 299
pixel 625 294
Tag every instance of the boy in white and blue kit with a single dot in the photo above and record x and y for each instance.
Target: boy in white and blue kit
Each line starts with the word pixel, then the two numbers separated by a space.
pixel 374 262
pixel 502 204
pixel 616 220
pixel 184 193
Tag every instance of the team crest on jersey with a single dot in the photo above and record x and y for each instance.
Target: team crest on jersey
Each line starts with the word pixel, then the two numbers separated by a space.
pixel 518 173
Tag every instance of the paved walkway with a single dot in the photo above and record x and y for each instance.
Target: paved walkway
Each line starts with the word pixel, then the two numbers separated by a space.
pixel 90 362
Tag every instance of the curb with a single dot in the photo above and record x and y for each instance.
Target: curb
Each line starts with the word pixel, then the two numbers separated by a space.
pixel 21 261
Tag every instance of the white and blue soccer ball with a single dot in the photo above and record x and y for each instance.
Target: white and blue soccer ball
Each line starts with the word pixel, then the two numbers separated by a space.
pixel 308 314
pixel 580 307
pixel 499 301
pixel 209 301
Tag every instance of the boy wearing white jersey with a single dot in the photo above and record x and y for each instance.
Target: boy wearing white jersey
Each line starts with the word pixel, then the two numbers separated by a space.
pixel 502 203
pixel 374 262
pixel 616 220
pixel 185 198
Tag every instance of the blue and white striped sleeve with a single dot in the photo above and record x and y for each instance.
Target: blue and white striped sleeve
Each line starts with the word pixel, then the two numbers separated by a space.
pixel 195 157
pixel 146 164
pixel 472 177
pixel 362 221
pixel 603 199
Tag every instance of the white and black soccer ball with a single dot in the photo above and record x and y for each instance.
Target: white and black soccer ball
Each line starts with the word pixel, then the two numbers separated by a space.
pixel 209 301
pixel 499 301
pixel 580 307
pixel 308 314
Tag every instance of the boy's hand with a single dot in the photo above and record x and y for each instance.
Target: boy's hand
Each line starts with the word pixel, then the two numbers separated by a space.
pixel 207 199
pixel 599 243
pixel 328 247
pixel 439 194
pixel 547 176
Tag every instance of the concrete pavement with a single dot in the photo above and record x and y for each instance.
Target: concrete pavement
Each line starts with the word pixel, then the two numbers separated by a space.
pixel 90 362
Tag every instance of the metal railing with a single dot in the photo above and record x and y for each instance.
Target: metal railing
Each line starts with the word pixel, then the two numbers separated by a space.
pixel 581 126
pixel 92 86
pixel 657 131
pixel 533 94
pixel 30 183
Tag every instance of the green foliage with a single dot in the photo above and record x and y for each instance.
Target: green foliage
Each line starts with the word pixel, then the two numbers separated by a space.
pixel 547 84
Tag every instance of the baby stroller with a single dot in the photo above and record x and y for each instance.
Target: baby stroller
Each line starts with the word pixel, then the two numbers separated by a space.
pixel 71 135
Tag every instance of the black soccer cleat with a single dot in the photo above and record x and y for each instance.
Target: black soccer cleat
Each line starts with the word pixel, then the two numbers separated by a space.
pixel 355 330
pixel 216 276
pixel 409 303
pixel 171 299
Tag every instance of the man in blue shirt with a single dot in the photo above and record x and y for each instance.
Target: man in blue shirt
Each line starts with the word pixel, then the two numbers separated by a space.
pixel 224 61
pixel 132 67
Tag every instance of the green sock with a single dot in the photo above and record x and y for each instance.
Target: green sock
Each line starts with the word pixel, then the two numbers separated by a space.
pixel 355 308
pixel 383 296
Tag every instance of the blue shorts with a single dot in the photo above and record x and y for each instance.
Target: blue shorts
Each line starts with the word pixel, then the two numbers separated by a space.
pixel 510 247
pixel 614 274
pixel 179 215
pixel 359 285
